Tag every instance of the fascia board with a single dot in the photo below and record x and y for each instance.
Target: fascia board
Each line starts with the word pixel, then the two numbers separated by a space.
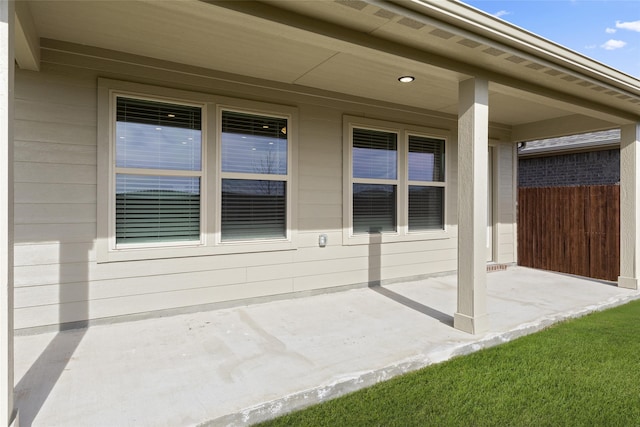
pixel 484 28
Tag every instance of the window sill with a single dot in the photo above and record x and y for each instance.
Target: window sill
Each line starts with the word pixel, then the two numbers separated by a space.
pixel 390 237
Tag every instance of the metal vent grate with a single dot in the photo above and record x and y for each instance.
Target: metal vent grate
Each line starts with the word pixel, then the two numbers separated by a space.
pixel 385 14
pixel 535 66
pixel 469 43
pixel 441 33
pixel 411 23
pixel 355 4
pixel 515 59
pixel 569 78
pixel 493 51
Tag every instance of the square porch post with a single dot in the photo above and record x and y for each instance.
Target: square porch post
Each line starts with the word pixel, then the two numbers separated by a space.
pixel 473 140
pixel 7 413
pixel 629 206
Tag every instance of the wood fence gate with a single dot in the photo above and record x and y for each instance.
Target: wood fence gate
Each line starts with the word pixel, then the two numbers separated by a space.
pixel 572 230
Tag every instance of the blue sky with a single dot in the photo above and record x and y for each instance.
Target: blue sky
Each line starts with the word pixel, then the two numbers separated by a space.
pixel 605 30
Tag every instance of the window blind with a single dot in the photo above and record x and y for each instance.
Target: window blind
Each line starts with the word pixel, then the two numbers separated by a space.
pixel 154 135
pixel 426 208
pixel 254 144
pixel 375 154
pixel 426 159
pixel 374 208
pixel 163 137
pixel 157 209
pixel 253 209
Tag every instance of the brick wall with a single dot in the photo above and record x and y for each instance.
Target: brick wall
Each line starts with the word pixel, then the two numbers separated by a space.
pixel 591 168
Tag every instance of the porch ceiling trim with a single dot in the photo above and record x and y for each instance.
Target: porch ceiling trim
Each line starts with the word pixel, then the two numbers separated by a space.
pixel 27 41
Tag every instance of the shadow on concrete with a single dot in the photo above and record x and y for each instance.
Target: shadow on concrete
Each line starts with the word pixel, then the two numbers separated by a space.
pixel 37 383
pixel 375 280
pixel 408 302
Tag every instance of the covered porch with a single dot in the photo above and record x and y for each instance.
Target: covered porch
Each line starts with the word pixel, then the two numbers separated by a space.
pixel 477 79
pixel 241 365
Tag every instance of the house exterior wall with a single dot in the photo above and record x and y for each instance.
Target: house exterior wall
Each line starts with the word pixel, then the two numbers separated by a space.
pixel 505 229
pixel 585 168
pixel 59 278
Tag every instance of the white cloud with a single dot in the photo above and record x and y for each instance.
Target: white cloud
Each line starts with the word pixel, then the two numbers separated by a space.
pixel 610 30
pixel 614 44
pixel 633 25
pixel 591 46
pixel 501 13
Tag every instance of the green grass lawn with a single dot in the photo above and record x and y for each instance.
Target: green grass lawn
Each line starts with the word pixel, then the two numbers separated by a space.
pixel 583 372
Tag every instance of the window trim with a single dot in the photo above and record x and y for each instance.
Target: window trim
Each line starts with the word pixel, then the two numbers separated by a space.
pixel 115 170
pixel 240 175
pixel 402 233
pixel 210 184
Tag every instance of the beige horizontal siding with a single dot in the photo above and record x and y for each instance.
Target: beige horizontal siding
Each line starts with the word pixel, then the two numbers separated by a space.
pixel 74 232
pixel 42 152
pixel 113 288
pixel 51 314
pixel 46 173
pixel 54 213
pixel 57 133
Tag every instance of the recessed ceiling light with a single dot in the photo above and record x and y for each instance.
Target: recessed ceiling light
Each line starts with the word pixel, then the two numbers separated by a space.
pixel 406 79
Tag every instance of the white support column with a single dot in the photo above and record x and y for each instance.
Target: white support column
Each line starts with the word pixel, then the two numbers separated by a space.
pixel 629 206
pixel 473 140
pixel 7 413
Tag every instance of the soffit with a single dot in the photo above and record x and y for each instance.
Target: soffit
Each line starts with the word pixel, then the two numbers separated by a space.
pixel 537 61
pixel 181 32
pixel 216 37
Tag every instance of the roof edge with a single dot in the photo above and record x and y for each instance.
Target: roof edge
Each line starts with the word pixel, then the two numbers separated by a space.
pixel 488 26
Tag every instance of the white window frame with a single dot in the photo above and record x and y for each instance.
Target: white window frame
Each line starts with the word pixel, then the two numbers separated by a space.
pixel 236 108
pixel 211 175
pixel 409 131
pixel 154 172
pixel 402 232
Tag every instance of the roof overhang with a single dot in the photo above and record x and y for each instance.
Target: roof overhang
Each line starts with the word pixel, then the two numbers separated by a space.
pixel 538 89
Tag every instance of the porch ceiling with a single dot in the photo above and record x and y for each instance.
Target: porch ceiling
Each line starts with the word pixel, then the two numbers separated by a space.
pixel 351 47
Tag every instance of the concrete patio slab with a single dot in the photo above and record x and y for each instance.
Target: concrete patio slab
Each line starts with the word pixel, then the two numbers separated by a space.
pixel 241 365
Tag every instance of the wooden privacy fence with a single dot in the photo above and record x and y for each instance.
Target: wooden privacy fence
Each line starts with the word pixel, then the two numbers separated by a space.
pixel 572 230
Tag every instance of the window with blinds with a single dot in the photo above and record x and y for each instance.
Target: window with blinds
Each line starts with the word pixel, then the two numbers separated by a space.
pixel 375 154
pixel 374 208
pixel 375 171
pixel 425 160
pixel 397 181
pixel 254 176
pixel 158 171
